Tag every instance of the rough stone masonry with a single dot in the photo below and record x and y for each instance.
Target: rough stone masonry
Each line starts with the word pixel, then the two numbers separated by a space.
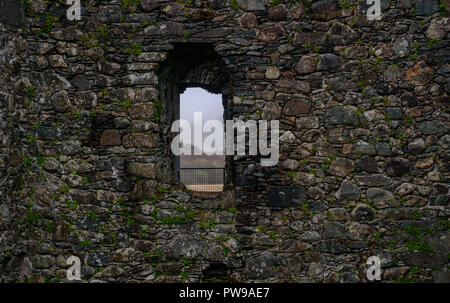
pixel 85 167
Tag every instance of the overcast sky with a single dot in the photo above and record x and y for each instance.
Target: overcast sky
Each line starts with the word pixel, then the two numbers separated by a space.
pixel 199 100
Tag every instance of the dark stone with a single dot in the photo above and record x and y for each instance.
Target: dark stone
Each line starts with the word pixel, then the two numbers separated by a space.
pixel 81 82
pixel 245 180
pixel 373 180
pixel 439 241
pixel 324 10
pixel 383 149
pixel 423 259
pixel 344 115
pixel 261 267
pixel 341 34
pixel 149 5
pixel 349 191
pixel 296 106
pixel 333 230
pixel 433 127
pixel 368 164
pixel 60 101
pixel 285 196
pixel 98 258
pixel 109 14
pixel 329 62
pixel 49 132
pixel 442 275
pixel 363 212
pixel 427 7
pixel 441 200
pixel 168 28
pixel 248 20
pixel 12 13
pixel 278 12
pixel 397 167
pixel 303 38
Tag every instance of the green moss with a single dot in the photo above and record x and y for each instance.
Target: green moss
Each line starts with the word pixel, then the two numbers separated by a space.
pixel 30 91
pixel 134 48
pixel 127 3
pixel 234 4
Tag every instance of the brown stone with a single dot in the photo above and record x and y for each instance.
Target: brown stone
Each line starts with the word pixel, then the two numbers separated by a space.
pixel 324 10
pixel 278 12
pixel 341 167
pixel 293 86
pixel 248 20
pixel 270 33
pixel 420 74
pixel 110 137
pixel 271 111
pixel 413 112
pixel 141 111
pixel 306 65
pixel 296 106
pixel 308 38
pixel 272 72
pixel 144 189
pixel 139 140
pixel 146 170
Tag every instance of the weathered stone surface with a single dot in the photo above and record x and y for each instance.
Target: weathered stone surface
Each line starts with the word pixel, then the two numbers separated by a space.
pixel 356 52
pixel 146 170
pixel 324 10
pixel 306 65
pixel 341 167
pixel 397 167
pixel 380 197
pixel 296 106
pixel 272 72
pixel 15 15
pixel 270 33
pixel 420 74
pixel 364 148
pixel 98 258
pixel 61 102
pixel 427 7
pixel 348 191
pixel 328 62
pixel 337 214
pixel 139 140
pixel 432 127
pixel 345 115
pixel 144 189
pixel 293 86
pixel 373 180
pixel 285 196
pixel 248 20
pixel 401 46
pixel 278 12
pixel 110 137
pixel 262 266
pixel 363 212
pixel 341 34
pixel 141 111
pixel 85 124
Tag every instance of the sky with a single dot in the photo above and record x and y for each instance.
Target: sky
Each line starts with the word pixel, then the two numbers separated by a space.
pixel 210 105
pixel 198 99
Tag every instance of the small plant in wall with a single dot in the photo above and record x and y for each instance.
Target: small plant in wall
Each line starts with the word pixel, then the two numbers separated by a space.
pixel 134 48
pixel 127 3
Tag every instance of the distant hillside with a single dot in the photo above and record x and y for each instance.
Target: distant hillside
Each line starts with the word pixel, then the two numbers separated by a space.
pixel 201 161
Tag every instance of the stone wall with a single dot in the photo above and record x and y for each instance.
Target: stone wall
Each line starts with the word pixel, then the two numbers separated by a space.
pixel 85 168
